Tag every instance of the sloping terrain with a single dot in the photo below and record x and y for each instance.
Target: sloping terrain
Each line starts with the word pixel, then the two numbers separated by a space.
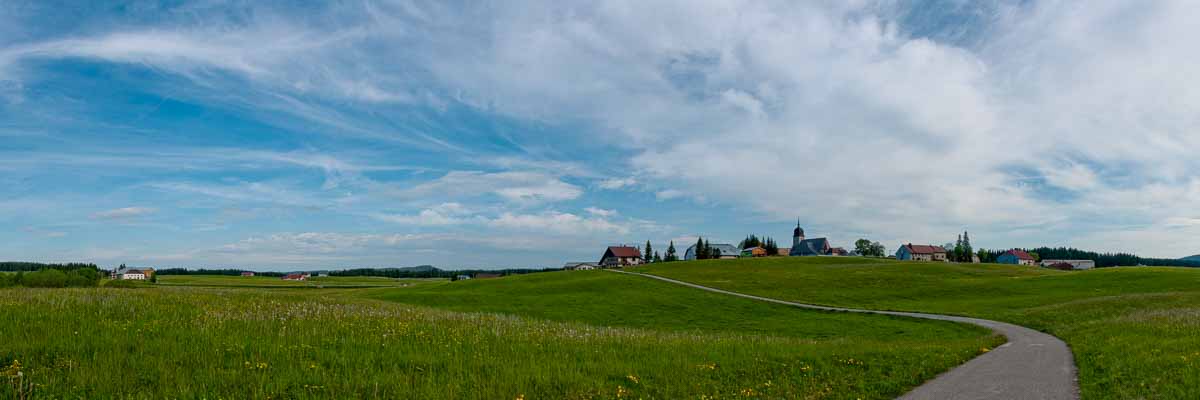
pixel 1134 331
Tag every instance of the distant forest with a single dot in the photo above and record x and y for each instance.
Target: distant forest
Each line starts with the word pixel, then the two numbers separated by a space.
pixel 16 266
pixel 1101 259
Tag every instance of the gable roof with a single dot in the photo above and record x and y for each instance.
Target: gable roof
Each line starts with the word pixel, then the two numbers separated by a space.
pixel 623 251
pixel 924 249
pixel 1021 254
pixel 810 247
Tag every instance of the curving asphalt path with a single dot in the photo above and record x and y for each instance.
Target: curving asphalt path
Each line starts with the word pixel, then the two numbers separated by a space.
pixel 1032 365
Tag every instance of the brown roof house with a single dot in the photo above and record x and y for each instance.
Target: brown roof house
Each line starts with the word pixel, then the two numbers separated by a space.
pixel 921 252
pixel 620 256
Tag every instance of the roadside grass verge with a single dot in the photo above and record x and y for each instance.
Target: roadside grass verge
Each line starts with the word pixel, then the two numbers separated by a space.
pixel 1135 331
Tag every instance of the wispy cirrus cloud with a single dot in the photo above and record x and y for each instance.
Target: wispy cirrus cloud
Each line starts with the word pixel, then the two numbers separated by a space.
pixel 124 213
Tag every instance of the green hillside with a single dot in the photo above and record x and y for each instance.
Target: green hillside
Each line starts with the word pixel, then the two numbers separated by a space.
pixel 1135 331
pixel 861 356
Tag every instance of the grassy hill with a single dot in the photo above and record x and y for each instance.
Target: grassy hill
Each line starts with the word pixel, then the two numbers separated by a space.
pixel 573 335
pixel 861 356
pixel 1135 331
pixel 273 282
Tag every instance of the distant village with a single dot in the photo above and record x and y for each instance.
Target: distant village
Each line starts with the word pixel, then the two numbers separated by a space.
pixel 802 246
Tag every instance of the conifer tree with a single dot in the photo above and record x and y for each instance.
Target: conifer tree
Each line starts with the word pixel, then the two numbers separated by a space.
pixel 657 259
pixel 671 253
pixel 967 250
pixel 646 255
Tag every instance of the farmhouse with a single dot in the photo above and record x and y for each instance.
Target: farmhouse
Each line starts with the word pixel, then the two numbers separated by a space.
pixel 1014 256
pixel 134 274
pixel 754 252
pixel 621 256
pixel 921 252
pixel 727 251
pixel 580 266
pixel 247 273
pixel 808 247
pixel 296 276
pixel 1075 264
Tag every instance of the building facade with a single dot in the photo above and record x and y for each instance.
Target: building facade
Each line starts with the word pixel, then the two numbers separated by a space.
pixel 621 256
pixel 920 252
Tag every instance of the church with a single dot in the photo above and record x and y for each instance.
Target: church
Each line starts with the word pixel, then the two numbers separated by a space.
pixel 808 247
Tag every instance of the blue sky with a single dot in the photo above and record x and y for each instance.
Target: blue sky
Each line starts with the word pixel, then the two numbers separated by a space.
pixel 279 135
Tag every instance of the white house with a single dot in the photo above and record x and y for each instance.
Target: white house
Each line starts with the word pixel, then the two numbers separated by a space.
pixel 134 274
pixel 1075 264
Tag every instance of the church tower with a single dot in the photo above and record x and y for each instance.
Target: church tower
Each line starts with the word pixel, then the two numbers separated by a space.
pixel 797 234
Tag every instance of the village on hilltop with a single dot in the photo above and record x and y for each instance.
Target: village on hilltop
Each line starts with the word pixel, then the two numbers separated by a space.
pixel 620 256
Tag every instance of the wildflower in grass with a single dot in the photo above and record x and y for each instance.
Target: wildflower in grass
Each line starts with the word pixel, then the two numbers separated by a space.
pixel 984 349
pixel 633 379
pixel 521 396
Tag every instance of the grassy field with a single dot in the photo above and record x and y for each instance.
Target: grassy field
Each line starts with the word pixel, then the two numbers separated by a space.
pixel 270 282
pixel 554 335
pixel 1135 332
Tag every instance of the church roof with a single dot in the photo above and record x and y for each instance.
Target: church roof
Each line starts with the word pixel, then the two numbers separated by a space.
pixel 810 247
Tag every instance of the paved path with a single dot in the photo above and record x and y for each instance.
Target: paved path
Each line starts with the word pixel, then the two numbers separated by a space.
pixel 1032 365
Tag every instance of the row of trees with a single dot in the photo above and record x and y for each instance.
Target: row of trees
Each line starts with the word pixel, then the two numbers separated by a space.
pixel 867 248
pixel 14 266
pixel 52 278
pixel 705 251
pixel 767 243
pixel 656 258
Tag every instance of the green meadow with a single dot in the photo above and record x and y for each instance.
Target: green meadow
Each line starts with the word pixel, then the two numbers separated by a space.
pixel 1135 331
pixel 574 335
pixel 271 282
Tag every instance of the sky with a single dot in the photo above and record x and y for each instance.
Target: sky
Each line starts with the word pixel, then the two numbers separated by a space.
pixel 286 135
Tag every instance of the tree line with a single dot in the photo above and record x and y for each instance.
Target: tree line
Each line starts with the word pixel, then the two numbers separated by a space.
pixel 15 266
pixel 53 276
pixel 1101 259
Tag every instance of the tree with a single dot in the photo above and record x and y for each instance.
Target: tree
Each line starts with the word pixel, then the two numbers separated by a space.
pixel 671 256
pixel 862 247
pixel 877 250
pixel 1036 257
pixel 700 252
pixel 657 259
pixel 967 250
pixel 771 247
pixel 646 256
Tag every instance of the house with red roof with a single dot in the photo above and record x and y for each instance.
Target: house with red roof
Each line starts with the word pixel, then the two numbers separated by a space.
pixel 921 252
pixel 620 256
pixel 1014 256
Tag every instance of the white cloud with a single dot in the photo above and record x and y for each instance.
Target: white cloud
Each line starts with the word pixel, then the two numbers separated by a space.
pixel 617 183
pixel 557 222
pixel 600 212
pixel 668 194
pixel 440 215
pixel 513 186
pixel 124 213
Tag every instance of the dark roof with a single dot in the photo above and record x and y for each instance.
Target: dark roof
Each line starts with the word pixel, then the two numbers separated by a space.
pixel 924 249
pixel 810 247
pixel 798 231
pixel 623 251
pixel 1021 254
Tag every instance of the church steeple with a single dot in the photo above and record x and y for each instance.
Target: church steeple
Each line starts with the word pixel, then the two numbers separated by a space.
pixel 797 234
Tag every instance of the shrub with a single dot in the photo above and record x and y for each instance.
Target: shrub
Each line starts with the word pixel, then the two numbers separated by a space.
pixel 46 278
pixel 7 280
